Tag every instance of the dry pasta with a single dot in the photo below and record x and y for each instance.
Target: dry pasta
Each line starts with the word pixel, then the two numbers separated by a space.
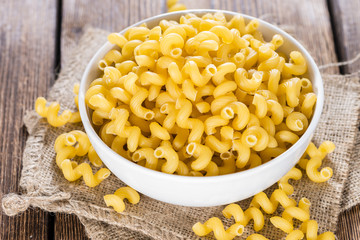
pixel 173 113
pixel 76 143
pixel 184 81
pixel 116 200
pixel 51 113
pixel 214 224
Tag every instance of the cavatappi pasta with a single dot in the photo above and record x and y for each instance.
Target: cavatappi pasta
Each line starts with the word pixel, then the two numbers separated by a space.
pixel 201 97
pixel 291 210
pixel 76 143
pixel 116 200
pixel 200 89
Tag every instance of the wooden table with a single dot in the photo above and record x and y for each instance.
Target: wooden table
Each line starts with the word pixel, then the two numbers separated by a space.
pixel 37 35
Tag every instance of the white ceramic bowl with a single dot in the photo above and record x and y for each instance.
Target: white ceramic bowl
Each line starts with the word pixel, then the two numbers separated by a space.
pixel 202 191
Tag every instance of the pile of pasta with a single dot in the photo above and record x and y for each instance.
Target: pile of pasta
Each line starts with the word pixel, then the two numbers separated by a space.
pixel 202 96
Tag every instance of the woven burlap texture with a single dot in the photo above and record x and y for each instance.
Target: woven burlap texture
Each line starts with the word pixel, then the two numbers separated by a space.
pixel 44 186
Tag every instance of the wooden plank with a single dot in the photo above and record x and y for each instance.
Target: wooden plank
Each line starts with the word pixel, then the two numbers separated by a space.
pixel 73 229
pixel 349 224
pixel 314 30
pixel 27 36
pixel 108 15
pixel 346 19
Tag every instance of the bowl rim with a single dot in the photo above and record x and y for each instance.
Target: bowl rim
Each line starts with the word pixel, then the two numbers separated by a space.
pixel 96 140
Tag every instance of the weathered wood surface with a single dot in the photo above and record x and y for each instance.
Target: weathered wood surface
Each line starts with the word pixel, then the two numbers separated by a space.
pixel 27 45
pixel 346 27
pixel 313 28
pixel 349 224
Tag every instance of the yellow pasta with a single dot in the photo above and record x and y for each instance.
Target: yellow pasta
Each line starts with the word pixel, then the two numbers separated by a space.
pixel 235 211
pixel 116 200
pixel 256 138
pixel 326 236
pixel 51 113
pixel 295 212
pixel 282 224
pixel 228 165
pixel 148 155
pixel 270 205
pixel 183 120
pixel 94 158
pixel 221 97
pixel 295 235
pixel 243 153
pixel 172 158
pixel 245 83
pixel 295 174
pixel 310 228
pixel 297 121
pixel 261 106
pixel 298 65
pixel 199 79
pixel 316 156
pixel 201 97
pixel 220 146
pixel 215 225
pixel 73 172
pixel 221 71
pixel 159 132
pixel 203 155
pixel 316 176
pixel 69 145
pixel 308 104
pixel 256 236
pixel 325 148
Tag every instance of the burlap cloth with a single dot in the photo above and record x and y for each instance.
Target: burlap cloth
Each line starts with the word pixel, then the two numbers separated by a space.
pixel 43 185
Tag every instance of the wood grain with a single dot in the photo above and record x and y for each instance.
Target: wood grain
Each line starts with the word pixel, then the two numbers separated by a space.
pixel 346 19
pixel 68 227
pixel 27 36
pixel 349 224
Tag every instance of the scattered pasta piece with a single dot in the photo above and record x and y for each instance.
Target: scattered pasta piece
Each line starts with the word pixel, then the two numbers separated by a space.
pixel 235 211
pixel 73 172
pixel 256 236
pixel 282 224
pixel 51 112
pixel 316 156
pixel 295 235
pixel 283 183
pixel 270 205
pixel 76 143
pixel 215 225
pixel 116 200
